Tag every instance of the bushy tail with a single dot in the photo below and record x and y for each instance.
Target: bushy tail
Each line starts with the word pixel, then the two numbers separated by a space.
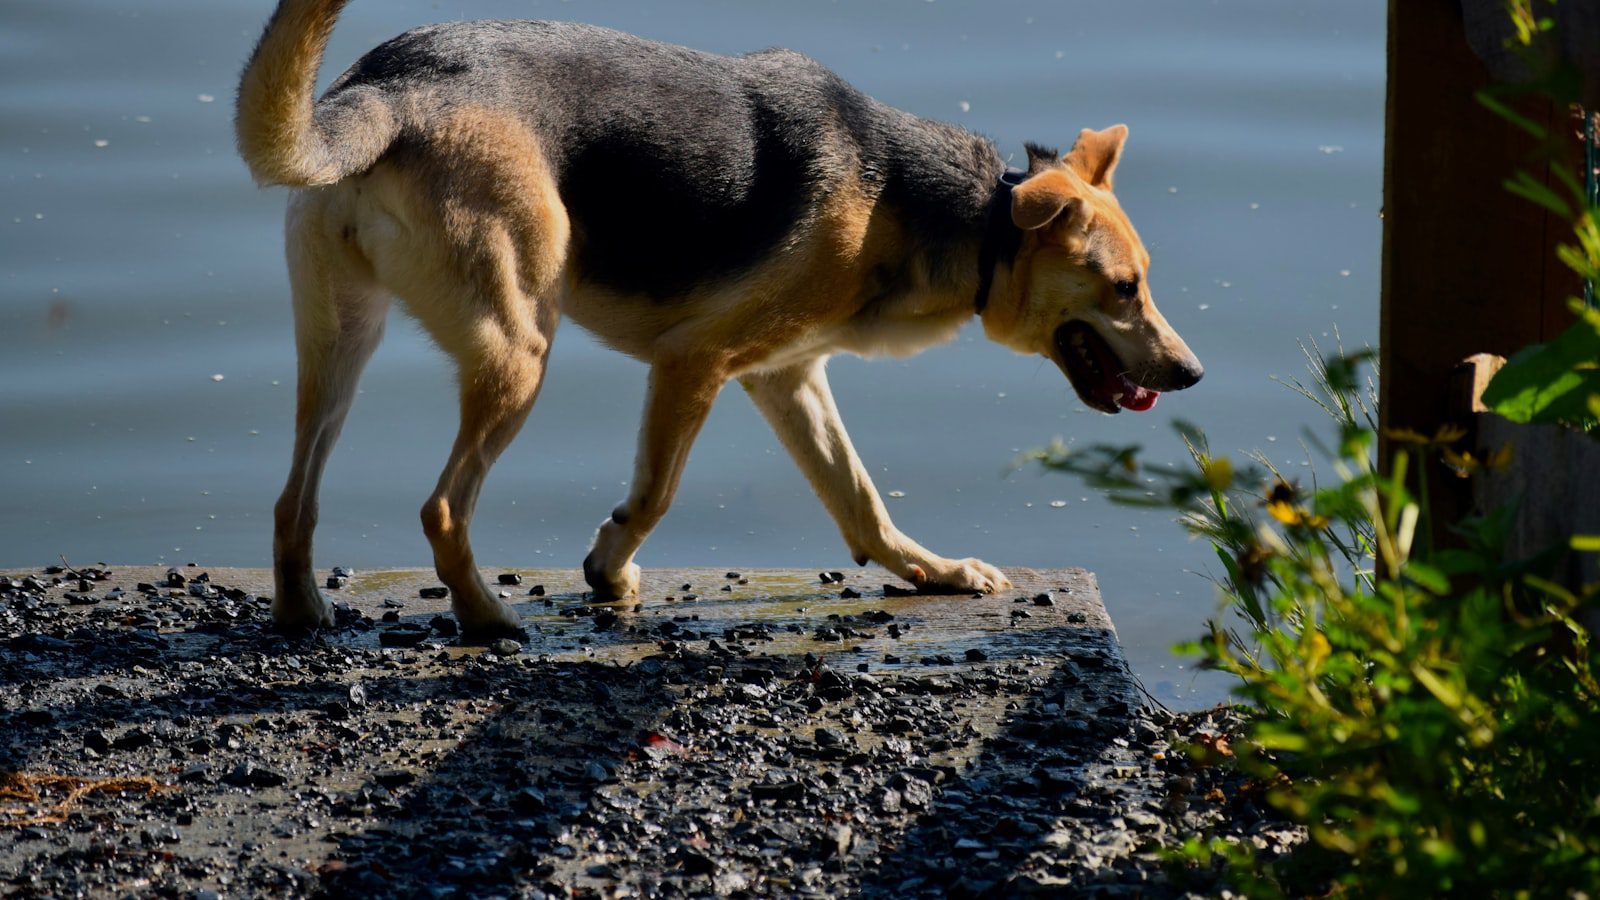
pixel 284 136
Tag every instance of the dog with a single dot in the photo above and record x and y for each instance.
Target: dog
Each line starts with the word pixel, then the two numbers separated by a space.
pixel 716 217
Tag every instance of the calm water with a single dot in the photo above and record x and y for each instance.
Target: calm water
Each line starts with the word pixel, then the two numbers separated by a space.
pixel 137 262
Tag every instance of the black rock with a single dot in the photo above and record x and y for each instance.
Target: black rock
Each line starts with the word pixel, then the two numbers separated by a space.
pixel 41 643
pixel 829 737
pixel 402 636
pixel 199 772
pixel 696 863
pixel 510 578
pixel 975 654
pixel 536 591
pixel 1044 599
pixel 249 774
pixel 895 590
pixel 444 625
pixel 393 778
pixel 133 740
pixel 849 594
pixel 433 593
pixel 782 790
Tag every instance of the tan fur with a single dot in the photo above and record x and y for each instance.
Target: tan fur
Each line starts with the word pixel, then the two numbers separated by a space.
pixel 273 120
pixel 1054 284
pixel 465 226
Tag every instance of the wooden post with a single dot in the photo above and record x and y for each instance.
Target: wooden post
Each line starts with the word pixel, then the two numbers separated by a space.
pixel 1467 266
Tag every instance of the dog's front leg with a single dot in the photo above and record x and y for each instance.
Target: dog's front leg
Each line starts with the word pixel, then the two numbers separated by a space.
pixel 799 405
pixel 680 397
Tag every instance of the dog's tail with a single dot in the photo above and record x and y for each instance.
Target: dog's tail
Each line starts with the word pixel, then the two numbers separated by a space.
pixel 284 136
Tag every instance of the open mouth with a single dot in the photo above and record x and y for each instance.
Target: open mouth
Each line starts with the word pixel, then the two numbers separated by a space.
pixel 1096 373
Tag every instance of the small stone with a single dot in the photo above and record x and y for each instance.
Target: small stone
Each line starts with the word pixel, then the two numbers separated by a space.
pixel 249 774
pixel 505 647
pixel 343 572
pixel 849 594
pixel 198 772
pixel 393 778
pixel 975 654
pixel 510 578
pixel 536 591
pixel 433 593
pixel 357 695
pixel 134 740
pixel 829 737
pixel 733 576
pixel 403 636
pixel 889 801
pixel 1045 599
pixel 444 625
pixel 528 800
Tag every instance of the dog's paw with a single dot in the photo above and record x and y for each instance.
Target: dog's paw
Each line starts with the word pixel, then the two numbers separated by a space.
pixel 301 613
pixel 623 586
pixel 959 576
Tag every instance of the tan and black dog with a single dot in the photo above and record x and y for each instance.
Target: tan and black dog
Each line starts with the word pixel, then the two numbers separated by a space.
pixel 715 217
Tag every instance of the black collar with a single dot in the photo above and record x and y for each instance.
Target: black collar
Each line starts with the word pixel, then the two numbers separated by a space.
pixel 1001 237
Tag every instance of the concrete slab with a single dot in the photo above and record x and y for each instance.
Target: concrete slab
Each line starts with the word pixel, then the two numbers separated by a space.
pixel 760 731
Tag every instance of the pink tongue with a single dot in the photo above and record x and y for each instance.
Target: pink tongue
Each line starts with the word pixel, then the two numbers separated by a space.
pixel 1136 398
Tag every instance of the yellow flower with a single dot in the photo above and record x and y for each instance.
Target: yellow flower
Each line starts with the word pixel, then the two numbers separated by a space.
pixel 1281 506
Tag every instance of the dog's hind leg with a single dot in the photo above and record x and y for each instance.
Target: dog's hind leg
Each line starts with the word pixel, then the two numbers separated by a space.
pixel 681 393
pixel 338 319
pixel 799 405
pixel 500 375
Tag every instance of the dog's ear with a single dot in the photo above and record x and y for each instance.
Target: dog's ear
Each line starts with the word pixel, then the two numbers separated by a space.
pixel 1095 155
pixel 1041 157
pixel 1043 198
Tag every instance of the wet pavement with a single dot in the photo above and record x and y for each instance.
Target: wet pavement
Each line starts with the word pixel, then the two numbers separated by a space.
pixel 761 733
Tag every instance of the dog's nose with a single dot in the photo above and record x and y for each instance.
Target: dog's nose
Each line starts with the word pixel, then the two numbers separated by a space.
pixel 1187 374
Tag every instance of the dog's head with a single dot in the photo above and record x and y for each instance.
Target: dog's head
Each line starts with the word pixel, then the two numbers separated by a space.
pixel 1078 292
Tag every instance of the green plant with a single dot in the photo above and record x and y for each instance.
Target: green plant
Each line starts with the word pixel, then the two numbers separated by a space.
pixel 1557 382
pixel 1429 715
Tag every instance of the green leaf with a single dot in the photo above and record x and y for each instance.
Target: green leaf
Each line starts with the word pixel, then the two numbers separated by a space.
pixel 1586 543
pixel 1551 383
pixel 1428 578
pixel 1510 115
pixel 1526 186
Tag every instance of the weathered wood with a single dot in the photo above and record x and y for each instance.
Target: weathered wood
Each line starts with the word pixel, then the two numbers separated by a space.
pixel 774 736
pixel 1467 266
pixel 794 603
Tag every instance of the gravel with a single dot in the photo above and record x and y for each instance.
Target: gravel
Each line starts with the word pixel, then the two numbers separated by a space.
pixel 938 747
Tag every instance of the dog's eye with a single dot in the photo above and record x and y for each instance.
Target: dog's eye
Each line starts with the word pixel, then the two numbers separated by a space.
pixel 1127 289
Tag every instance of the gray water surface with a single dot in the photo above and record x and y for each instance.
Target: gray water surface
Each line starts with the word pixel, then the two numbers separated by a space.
pixel 137 262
